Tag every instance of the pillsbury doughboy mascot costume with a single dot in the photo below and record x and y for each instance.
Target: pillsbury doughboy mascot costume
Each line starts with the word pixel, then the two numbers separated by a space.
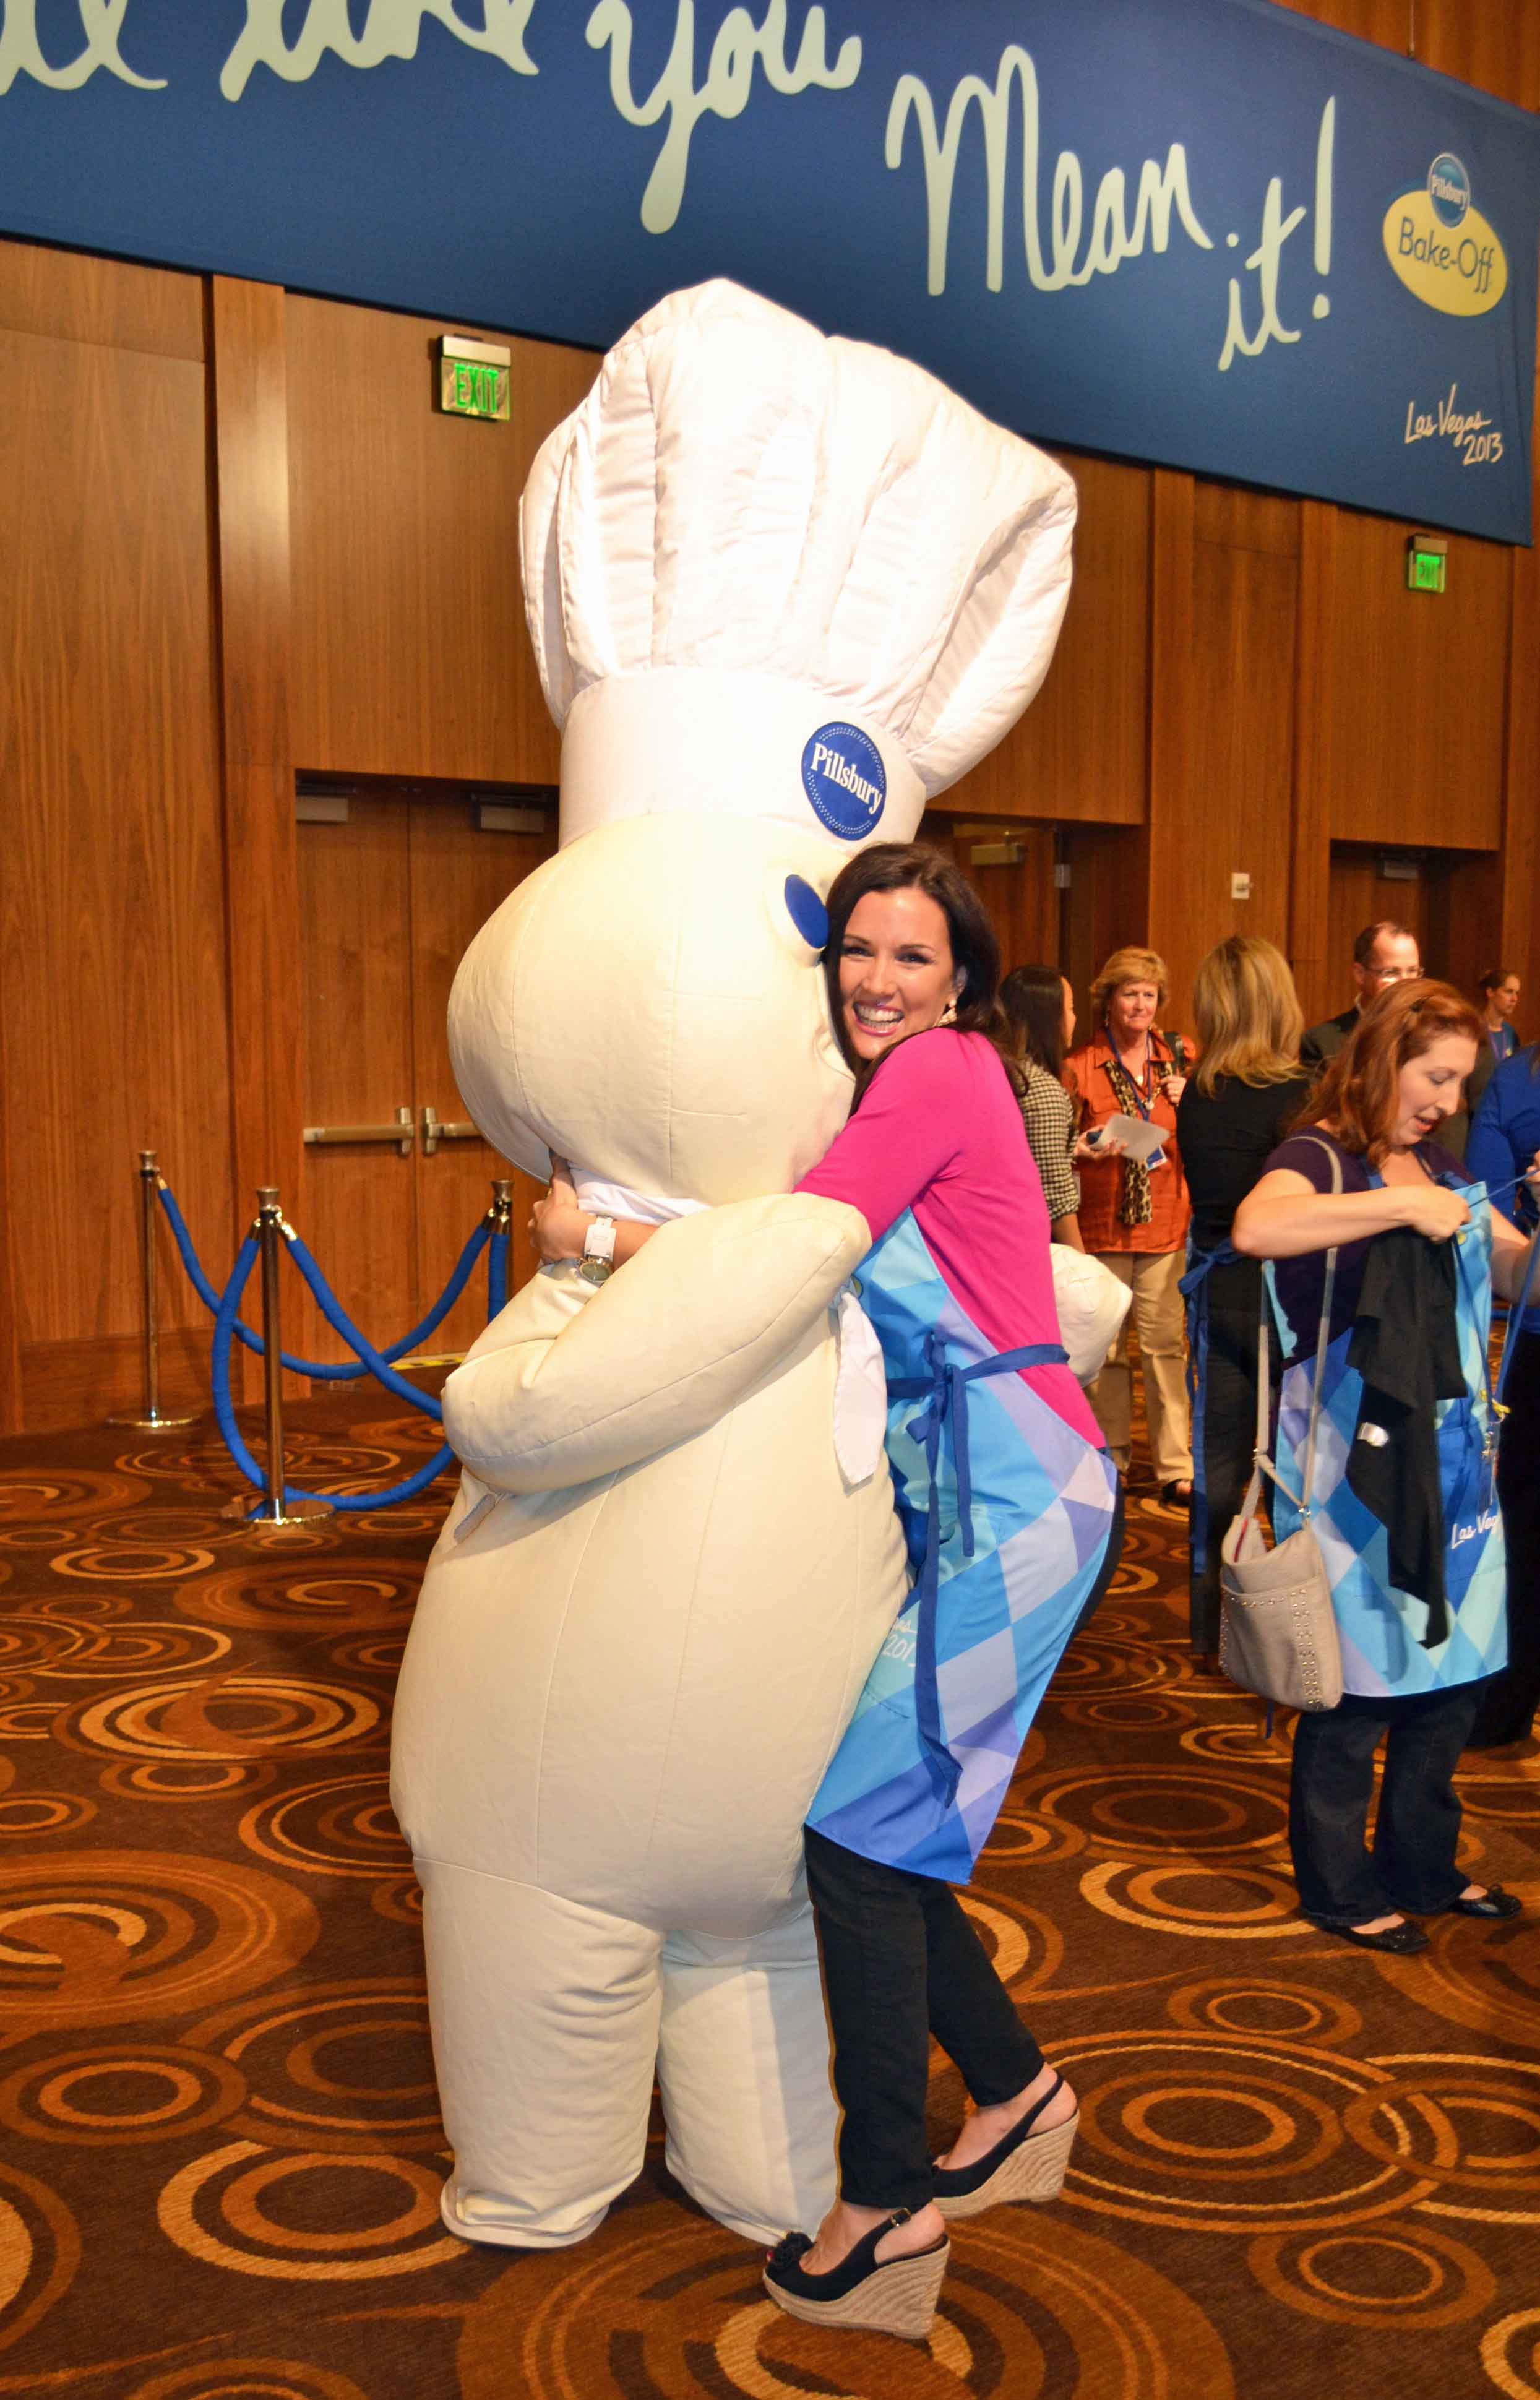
pixel 781 590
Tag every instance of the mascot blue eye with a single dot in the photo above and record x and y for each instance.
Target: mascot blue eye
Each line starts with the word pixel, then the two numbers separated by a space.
pixel 806 912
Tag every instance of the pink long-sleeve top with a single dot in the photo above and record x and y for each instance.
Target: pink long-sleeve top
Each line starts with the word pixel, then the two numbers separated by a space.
pixel 939 1132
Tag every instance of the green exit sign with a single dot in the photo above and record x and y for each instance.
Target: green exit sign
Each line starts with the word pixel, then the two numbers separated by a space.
pixel 1426 558
pixel 474 378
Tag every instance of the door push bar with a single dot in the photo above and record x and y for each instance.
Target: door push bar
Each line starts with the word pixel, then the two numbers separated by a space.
pixel 434 1130
pixel 401 1133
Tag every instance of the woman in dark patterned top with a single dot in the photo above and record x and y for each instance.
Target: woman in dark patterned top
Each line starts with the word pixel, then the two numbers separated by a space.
pixel 1042 1009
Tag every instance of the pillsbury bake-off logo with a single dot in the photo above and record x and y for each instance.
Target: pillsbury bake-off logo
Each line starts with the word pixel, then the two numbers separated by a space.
pixel 1443 249
pixel 843 777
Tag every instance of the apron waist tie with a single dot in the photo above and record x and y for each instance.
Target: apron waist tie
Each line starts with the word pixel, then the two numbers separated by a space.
pixel 944 1390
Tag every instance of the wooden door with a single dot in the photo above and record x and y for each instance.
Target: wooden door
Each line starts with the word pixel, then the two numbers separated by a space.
pixel 1358 895
pixel 389 900
pixel 460 875
pixel 357 1203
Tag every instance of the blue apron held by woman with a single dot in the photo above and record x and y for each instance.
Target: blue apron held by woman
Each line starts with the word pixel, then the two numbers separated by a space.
pixel 1006 1509
pixel 1381 1627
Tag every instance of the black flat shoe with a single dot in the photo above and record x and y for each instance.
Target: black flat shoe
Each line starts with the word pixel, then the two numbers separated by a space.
pixel 891 2295
pixel 1024 2164
pixel 1401 1941
pixel 1173 1496
pixel 1494 1901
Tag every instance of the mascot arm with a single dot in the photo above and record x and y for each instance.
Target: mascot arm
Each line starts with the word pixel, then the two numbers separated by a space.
pixel 556 1392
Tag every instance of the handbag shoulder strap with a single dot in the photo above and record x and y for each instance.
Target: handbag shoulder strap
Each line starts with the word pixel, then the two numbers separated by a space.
pixel 1323 1341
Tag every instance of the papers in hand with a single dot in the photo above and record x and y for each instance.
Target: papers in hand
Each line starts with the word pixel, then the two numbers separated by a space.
pixel 1140 1139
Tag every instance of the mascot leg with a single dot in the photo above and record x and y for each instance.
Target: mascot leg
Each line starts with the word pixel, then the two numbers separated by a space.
pixel 545 2034
pixel 744 2062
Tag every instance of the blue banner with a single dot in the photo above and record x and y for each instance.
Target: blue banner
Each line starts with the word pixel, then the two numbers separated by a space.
pixel 1202 232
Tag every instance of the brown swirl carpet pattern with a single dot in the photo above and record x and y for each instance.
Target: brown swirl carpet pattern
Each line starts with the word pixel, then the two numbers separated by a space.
pixel 220 2152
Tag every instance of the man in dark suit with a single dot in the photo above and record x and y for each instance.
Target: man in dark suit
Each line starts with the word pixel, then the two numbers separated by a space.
pixel 1385 953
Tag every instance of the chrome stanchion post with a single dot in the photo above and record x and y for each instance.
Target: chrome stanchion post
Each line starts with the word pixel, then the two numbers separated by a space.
pixel 501 1211
pixel 152 1418
pixel 275 1509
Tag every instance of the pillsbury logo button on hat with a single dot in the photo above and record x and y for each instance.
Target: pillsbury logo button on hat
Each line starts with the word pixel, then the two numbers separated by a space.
pixel 843 777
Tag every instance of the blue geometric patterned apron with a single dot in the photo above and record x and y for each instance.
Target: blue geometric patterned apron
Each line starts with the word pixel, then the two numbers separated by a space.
pixel 1006 1510
pixel 1380 1625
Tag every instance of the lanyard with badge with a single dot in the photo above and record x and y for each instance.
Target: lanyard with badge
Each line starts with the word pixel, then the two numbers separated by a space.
pixel 1145 1105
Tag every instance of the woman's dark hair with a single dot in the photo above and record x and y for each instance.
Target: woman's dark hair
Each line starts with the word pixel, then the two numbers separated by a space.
pixel 1033 1000
pixel 909 867
pixel 1489 981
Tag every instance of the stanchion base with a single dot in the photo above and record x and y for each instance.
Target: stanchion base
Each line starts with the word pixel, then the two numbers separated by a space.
pixel 261 1515
pixel 159 1423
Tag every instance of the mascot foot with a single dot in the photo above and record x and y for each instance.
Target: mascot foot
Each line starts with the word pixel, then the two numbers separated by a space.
pixel 481 2216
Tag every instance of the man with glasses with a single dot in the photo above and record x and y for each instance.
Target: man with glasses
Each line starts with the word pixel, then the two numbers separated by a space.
pixel 1385 953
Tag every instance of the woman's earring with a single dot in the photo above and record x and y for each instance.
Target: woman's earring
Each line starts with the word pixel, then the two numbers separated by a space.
pixel 948 1014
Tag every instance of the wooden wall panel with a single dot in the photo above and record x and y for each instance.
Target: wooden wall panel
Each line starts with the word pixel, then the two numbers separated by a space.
pixel 12 1416
pixel 1244 675
pixel 248 380
pixel 1496 46
pixel 1421 691
pixel 1389 24
pixel 80 299
pixel 1518 933
pixel 112 945
pixel 410 652
pixel 1318 973
pixel 1183 877
pixel 1079 754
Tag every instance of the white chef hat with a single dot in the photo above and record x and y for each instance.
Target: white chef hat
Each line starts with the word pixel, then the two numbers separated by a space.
pixel 774 574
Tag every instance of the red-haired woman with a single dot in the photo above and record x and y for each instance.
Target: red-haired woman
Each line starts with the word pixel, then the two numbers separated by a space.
pixel 1403 1496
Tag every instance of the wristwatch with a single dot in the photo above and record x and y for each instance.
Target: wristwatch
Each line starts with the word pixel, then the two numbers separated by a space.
pixel 597 1264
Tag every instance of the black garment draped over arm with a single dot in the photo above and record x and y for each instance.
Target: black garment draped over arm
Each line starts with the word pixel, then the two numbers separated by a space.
pixel 1406 1346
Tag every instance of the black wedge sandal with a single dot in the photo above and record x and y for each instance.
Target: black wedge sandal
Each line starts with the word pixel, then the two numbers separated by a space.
pixel 1023 2165
pixel 887 2295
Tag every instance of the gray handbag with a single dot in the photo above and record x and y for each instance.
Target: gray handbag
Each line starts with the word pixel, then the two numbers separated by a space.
pixel 1277 1627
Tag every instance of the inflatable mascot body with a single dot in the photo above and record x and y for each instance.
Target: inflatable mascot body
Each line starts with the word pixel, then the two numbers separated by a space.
pixel 782 589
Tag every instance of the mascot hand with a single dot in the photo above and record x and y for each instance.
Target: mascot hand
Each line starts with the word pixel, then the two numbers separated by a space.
pixel 711 1305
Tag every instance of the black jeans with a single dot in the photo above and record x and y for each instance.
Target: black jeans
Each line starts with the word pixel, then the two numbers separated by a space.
pixel 1228 1434
pixel 902 1962
pixel 1509 1700
pixel 1412 1866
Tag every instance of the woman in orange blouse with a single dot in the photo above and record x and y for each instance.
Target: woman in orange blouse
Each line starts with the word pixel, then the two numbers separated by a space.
pixel 1134 1217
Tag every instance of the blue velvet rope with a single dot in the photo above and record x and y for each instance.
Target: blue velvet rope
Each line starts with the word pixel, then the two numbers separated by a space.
pixel 377 1364
pixel 497 1276
pixel 323 1370
pixel 348 1504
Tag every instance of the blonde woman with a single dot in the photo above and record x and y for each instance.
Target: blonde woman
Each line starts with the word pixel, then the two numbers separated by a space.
pixel 1243 1094
pixel 1133 1217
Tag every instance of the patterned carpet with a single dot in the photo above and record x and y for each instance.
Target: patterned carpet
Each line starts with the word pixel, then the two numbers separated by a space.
pixel 221 2155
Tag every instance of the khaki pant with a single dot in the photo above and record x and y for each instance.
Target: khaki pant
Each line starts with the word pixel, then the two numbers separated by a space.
pixel 1153 1276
